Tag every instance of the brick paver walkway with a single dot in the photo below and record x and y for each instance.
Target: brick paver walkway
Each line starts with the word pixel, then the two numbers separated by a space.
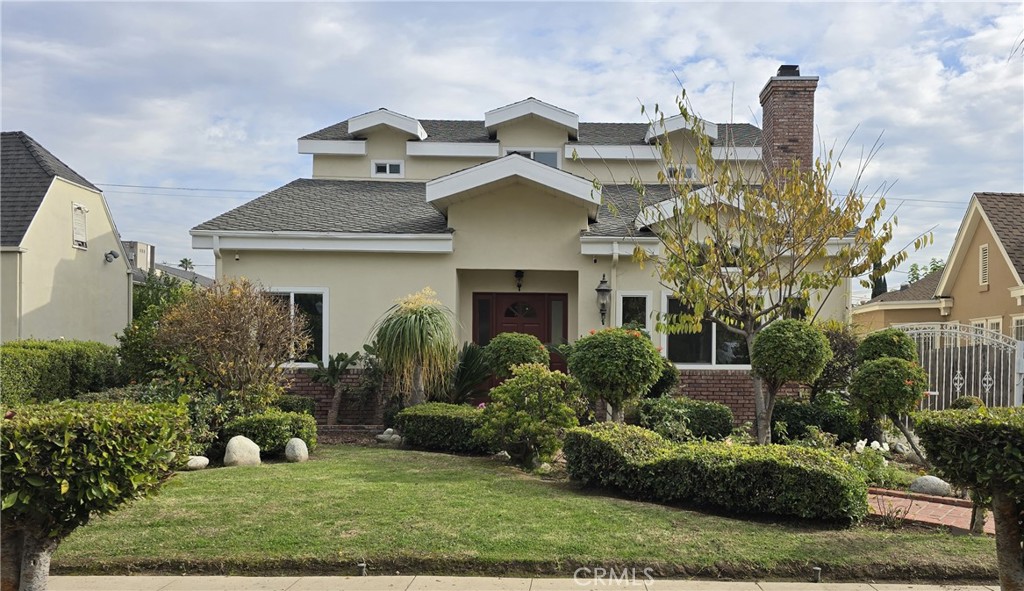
pixel 928 512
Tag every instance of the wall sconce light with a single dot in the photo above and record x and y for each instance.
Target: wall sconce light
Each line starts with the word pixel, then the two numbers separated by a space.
pixel 519 280
pixel 111 256
pixel 604 297
pixel 237 258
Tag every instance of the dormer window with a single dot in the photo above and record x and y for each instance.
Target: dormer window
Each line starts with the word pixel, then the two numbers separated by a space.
pixel 543 156
pixel 388 169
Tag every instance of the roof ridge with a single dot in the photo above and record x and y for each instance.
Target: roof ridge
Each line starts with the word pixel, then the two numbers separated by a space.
pixel 41 156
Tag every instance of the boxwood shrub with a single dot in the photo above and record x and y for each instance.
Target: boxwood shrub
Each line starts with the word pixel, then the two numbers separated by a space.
pixel 707 420
pixel 685 419
pixel 272 429
pixel 41 371
pixel 442 427
pixel 770 479
pixel 828 412
pixel 514 348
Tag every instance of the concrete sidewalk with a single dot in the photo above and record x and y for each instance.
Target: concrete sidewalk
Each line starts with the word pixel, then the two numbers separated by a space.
pixel 428 583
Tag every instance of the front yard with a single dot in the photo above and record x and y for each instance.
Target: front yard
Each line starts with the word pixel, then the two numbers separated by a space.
pixel 417 512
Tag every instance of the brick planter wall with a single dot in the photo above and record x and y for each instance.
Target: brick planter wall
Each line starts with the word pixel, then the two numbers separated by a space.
pixel 356 407
pixel 733 388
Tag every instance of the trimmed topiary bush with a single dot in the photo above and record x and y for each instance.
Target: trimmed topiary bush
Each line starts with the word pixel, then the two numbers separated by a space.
pixel 707 420
pixel 40 371
pixel 442 427
pixel 789 351
pixel 967 403
pixel 64 462
pixel 514 348
pixel 272 429
pixel 888 386
pixel 615 365
pixel 770 479
pixel 529 412
pixel 891 342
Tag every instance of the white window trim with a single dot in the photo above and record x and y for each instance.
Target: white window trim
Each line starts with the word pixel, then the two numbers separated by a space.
pixel 323 291
pixel 378 175
pixel 649 300
pixel 1013 325
pixel 984 262
pixel 76 207
pixel 558 154
pixel 665 295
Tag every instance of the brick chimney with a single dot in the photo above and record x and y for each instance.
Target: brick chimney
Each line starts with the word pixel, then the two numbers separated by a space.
pixel 787 105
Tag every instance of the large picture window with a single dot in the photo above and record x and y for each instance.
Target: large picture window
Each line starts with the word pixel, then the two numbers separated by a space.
pixel 312 304
pixel 714 345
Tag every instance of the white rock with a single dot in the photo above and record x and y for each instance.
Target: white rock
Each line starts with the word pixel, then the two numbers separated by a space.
pixel 295 450
pixel 544 468
pixel 395 438
pixel 502 456
pixel 197 462
pixel 242 451
pixel 931 485
pixel 388 432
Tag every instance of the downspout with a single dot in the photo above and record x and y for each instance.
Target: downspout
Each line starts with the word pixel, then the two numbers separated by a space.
pixel 21 291
pixel 614 304
pixel 216 258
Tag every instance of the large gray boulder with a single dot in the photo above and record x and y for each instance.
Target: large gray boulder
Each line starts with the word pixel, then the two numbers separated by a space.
pixel 242 451
pixel 931 485
pixel 197 462
pixel 295 450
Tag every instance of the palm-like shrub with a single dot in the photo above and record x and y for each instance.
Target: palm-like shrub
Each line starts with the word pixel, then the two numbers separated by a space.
pixel 332 373
pixel 470 371
pixel 415 344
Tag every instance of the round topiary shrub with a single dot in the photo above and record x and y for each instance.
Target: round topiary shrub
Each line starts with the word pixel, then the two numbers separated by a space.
pixel 514 348
pixel 272 429
pixel 615 365
pixel 891 342
pixel 789 351
pixel 967 403
pixel 888 386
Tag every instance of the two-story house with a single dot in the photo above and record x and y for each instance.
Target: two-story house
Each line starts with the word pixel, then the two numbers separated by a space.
pixel 502 217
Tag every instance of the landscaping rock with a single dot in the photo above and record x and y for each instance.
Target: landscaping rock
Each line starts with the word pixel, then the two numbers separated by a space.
pixel 295 450
pixel 396 438
pixel 242 451
pixel 502 456
pixel 197 462
pixel 389 436
pixel 931 485
pixel 901 449
pixel 544 468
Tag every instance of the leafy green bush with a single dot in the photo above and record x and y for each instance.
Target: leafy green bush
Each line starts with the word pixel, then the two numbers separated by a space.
pixel 62 463
pixel 442 427
pixel 514 348
pixel 36 370
pixel 891 342
pixel 835 376
pixel 529 412
pixel 615 365
pixel 141 359
pixel 967 403
pixel 667 380
pixel 878 471
pixel 768 479
pixel 827 412
pixel 888 386
pixel 296 403
pixel 272 429
pixel 707 420
pixel 665 416
pixel 789 351
pixel 469 374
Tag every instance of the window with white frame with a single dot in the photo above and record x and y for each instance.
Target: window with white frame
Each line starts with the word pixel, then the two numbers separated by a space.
pixel 634 309
pixel 977 329
pixel 387 169
pixel 995 324
pixel 714 345
pixel 983 264
pixel 1018 328
pixel 311 304
pixel 549 157
pixel 79 236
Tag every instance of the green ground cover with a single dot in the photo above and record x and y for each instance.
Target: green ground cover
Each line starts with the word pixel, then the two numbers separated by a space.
pixel 417 512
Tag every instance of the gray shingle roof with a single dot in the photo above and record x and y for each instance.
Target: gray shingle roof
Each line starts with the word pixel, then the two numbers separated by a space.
pixel 604 134
pixel 922 289
pixel 1005 211
pixel 26 171
pixel 620 204
pixel 320 205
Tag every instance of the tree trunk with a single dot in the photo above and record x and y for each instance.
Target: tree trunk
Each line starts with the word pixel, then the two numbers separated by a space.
pixel 617 414
pixel 762 413
pixel 35 561
pixel 910 439
pixel 10 557
pixel 332 415
pixel 1009 537
pixel 417 386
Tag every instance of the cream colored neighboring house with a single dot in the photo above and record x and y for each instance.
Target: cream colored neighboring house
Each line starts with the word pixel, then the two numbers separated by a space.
pixel 980 285
pixel 63 272
pixel 501 217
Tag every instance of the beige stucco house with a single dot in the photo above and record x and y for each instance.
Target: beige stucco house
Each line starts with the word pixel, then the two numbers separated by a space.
pixel 980 285
pixel 502 217
pixel 63 272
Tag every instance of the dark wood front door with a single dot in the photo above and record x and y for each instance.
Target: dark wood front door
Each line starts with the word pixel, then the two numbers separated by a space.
pixel 543 315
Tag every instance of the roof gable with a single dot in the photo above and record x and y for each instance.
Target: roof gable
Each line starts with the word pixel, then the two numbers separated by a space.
pixel 1004 212
pixel 974 217
pixel 386 118
pixel 532 107
pixel 26 171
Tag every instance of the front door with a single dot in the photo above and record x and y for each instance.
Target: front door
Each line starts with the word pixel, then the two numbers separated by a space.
pixel 543 315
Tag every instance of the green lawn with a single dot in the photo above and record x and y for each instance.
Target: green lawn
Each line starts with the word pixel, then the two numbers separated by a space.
pixel 432 513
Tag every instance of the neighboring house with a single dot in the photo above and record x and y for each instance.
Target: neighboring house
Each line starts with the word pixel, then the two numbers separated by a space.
pixel 502 218
pixel 63 272
pixel 980 285
pixel 142 257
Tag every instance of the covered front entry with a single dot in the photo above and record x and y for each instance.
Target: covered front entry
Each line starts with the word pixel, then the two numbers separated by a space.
pixel 543 315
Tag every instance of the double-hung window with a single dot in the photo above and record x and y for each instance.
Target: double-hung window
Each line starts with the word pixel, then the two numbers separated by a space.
pixel 312 304
pixel 714 345
pixel 1018 328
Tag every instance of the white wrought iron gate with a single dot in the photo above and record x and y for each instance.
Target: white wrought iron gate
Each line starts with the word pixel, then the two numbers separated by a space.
pixel 963 360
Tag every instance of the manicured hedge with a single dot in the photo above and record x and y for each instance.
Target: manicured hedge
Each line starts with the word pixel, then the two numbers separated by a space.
pixel 41 371
pixel 296 403
pixel 441 427
pixel 827 412
pixel 707 420
pixel 685 419
pixel 772 480
pixel 272 429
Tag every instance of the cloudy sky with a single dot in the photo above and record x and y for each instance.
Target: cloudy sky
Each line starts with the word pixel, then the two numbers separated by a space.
pixel 181 111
